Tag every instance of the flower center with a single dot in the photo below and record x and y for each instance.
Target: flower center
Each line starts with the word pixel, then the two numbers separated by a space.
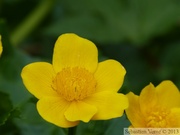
pixel 158 118
pixel 74 83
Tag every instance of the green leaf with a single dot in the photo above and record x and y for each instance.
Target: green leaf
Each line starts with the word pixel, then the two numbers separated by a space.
pixel 103 127
pixel 104 21
pixel 5 107
pixel 116 126
pixel 10 78
pixel 11 63
pixel 31 123
pixel 91 128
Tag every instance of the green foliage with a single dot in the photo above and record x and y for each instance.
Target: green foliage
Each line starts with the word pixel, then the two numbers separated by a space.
pixel 31 123
pixel 135 21
pixel 5 107
pixel 108 127
pixel 142 34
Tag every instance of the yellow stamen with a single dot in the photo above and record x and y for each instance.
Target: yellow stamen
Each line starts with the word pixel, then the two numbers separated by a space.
pixel 158 117
pixel 74 83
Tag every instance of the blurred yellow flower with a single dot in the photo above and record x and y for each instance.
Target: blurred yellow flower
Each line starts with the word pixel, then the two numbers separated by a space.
pixel 1 48
pixel 75 87
pixel 156 107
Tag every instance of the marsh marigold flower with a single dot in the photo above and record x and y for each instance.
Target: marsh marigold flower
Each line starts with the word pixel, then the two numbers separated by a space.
pixel 75 87
pixel 1 49
pixel 156 107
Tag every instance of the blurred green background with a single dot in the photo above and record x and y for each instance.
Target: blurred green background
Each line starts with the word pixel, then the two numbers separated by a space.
pixel 144 35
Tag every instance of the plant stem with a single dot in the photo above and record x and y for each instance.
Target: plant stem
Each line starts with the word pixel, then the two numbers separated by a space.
pixel 72 131
pixel 31 22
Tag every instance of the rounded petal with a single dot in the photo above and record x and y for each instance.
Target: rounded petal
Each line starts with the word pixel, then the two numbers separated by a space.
pixel 79 110
pixel 37 77
pixel 148 98
pixel 109 76
pixel 52 110
pixel 133 112
pixel 174 118
pixel 73 51
pixel 1 48
pixel 109 104
pixel 168 94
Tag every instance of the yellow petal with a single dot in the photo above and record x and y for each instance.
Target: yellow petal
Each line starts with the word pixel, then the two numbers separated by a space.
pixel 148 98
pixel 52 110
pixel 174 118
pixel 79 110
pixel 73 51
pixel 37 77
pixel 133 112
pixel 109 104
pixel 109 76
pixel 1 48
pixel 168 94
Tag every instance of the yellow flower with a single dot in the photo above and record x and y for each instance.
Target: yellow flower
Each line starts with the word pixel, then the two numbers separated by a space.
pixel 156 107
pixel 1 48
pixel 75 87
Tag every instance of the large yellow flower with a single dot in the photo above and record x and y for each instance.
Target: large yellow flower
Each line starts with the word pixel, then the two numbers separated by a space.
pixel 75 87
pixel 156 107
pixel 1 48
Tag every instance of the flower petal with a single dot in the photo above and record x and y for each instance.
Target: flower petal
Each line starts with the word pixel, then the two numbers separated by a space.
pixel 133 112
pixel 109 104
pixel 73 51
pixel 148 98
pixel 1 48
pixel 109 75
pixel 37 77
pixel 79 110
pixel 174 118
pixel 52 110
pixel 168 94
